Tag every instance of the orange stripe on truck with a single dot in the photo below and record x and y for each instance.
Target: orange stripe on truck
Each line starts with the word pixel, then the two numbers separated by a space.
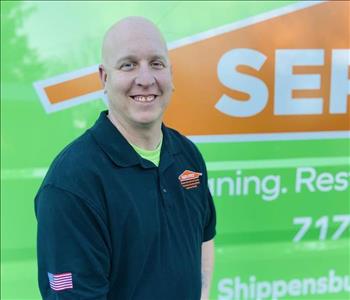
pixel 76 87
pixel 286 71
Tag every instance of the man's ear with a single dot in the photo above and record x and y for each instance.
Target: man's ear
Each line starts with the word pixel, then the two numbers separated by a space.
pixel 102 75
pixel 171 73
pixel 172 83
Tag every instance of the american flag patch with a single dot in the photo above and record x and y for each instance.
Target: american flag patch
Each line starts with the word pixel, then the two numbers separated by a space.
pixel 60 282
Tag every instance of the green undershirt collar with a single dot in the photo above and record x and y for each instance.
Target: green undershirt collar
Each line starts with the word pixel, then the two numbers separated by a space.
pixel 151 155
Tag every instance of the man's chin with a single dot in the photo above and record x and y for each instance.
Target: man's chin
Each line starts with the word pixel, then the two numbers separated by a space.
pixel 147 122
pixel 147 118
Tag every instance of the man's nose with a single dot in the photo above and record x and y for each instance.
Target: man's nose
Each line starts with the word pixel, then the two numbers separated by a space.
pixel 145 77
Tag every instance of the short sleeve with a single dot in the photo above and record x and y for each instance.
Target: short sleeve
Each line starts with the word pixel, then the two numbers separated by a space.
pixel 210 226
pixel 72 247
pixel 210 222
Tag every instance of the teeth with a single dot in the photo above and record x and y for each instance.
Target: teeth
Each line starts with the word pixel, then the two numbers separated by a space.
pixel 144 98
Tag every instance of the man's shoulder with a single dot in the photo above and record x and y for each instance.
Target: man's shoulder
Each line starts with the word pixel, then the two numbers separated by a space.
pixel 74 162
pixel 74 174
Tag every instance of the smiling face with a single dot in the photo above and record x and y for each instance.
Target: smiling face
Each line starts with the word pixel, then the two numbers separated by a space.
pixel 136 73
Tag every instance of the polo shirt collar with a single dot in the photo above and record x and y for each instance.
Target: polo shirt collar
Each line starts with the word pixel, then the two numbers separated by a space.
pixel 121 152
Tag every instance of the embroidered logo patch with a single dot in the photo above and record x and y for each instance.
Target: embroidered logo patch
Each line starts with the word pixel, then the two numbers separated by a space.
pixel 189 179
pixel 60 282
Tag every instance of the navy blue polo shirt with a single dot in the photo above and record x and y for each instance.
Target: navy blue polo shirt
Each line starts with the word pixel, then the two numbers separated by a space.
pixel 112 225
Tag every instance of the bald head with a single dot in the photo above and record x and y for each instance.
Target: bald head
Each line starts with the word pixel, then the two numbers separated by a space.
pixel 129 31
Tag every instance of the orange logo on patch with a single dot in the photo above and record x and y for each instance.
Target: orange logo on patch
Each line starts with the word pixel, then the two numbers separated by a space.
pixel 189 179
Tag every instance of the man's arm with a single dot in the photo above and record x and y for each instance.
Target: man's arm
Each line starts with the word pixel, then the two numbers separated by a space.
pixel 207 267
pixel 72 239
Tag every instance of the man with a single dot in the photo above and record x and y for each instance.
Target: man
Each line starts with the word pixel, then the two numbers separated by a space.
pixel 124 211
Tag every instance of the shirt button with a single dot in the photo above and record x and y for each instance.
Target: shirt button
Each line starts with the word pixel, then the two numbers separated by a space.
pixel 164 190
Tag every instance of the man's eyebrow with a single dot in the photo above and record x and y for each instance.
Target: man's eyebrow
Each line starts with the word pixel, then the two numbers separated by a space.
pixel 134 58
pixel 162 57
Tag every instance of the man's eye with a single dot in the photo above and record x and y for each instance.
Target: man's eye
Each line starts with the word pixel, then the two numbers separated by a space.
pixel 127 66
pixel 157 65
